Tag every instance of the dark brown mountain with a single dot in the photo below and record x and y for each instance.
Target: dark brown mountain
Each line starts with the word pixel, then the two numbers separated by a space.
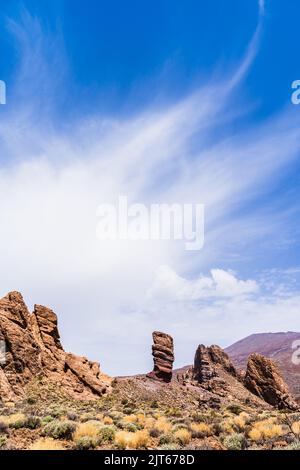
pixel 276 346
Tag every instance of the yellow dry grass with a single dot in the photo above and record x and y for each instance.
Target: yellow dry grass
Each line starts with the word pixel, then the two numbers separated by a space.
pixel 296 427
pixel 239 422
pixel 183 436
pixel 162 424
pixel 107 420
pixel 130 440
pixel 86 429
pixel 266 429
pixel 202 428
pixel 227 426
pixel 141 419
pixel 12 419
pixel 129 419
pixel 46 443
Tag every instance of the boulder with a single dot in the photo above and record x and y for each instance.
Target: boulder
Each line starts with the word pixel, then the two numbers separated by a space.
pixel 264 380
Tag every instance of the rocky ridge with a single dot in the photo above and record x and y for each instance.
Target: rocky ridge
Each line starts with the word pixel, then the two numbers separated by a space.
pixel 33 349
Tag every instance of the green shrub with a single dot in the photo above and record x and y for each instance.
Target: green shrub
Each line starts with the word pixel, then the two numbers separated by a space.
pixel 31 400
pixel 18 423
pixel 200 418
pixel 179 426
pixel 59 429
pixel 86 443
pixel 131 427
pixel 176 412
pixel 107 433
pixel 128 410
pixel 46 420
pixel 234 441
pixel 32 422
pixel 166 438
pixel 235 409
pixel 57 412
pixel 171 446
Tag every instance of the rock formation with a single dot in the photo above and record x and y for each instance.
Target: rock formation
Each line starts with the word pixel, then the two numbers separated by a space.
pixel 264 380
pixel 163 356
pixel 33 349
pixel 208 360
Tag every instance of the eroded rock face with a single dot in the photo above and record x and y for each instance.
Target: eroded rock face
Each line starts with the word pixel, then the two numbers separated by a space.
pixel 33 349
pixel 264 380
pixel 163 356
pixel 206 363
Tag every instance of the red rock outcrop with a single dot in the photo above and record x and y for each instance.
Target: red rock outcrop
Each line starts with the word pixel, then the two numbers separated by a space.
pixel 208 360
pixel 163 356
pixel 33 349
pixel 264 380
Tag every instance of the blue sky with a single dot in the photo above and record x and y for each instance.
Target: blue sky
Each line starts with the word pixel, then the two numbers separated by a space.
pixel 162 101
pixel 168 47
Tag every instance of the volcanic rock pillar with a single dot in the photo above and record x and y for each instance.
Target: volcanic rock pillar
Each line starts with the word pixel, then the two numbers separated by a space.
pixel 163 356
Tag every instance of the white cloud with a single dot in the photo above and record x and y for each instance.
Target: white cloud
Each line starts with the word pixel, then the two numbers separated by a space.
pixel 221 283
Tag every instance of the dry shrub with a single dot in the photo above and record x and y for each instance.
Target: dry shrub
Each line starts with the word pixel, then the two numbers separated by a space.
pixel 246 417
pixel 87 429
pixel 46 443
pixel 183 436
pixel 16 420
pixel 129 440
pixel 149 422
pixel 227 426
pixel 121 439
pixel 255 435
pixel 239 422
pixel 201 430
pixel 141 419
pixel 129 419
pixel 266 429
pixel 296 428
pixel 140 439
pixel 162 424
pixel 107 420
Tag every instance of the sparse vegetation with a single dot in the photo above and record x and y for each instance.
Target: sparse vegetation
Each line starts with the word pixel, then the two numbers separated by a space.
pixel 59 429
pixel 151 424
